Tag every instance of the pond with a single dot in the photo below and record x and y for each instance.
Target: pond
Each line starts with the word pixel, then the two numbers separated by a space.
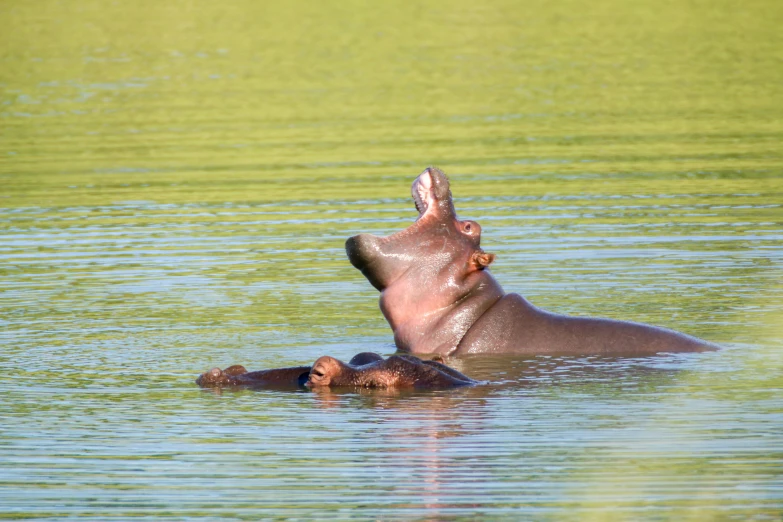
pixel 177 181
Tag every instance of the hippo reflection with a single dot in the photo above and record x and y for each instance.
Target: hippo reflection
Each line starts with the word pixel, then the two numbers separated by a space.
pixel 439 297
pixel 365 370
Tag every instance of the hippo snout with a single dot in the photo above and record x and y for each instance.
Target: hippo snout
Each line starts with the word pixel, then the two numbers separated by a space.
pixel 209 378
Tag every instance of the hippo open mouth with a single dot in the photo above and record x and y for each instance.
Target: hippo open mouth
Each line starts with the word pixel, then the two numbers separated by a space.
pixel 430 191
pixel 421 190
pixel 432 199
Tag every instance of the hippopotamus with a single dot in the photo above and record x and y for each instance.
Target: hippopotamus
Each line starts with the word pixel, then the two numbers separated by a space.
pixel 237 375
pixel 398 371
pixel 366 370
pixel 439 297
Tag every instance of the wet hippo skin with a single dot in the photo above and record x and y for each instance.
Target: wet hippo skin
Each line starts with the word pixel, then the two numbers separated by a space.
pixel 366 370
pixel 398 371
pixel 439 297
pixel 237 375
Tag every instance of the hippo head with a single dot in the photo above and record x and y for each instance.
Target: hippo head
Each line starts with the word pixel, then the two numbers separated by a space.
pixel 436 242
pixel 330 371
pixel 398 371
pixel 326 370
pixel 215 378
pixel 429 265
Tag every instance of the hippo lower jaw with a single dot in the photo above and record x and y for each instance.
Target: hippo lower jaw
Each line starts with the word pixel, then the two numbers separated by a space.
pixel 362 249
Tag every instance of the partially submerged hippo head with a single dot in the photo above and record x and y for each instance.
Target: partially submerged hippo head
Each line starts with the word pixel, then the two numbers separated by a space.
pixel 216 378
pixel 398 371
pixel 366 369
pixel 424 270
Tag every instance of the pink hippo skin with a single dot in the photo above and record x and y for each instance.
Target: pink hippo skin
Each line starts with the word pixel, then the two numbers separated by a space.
pixel 439 297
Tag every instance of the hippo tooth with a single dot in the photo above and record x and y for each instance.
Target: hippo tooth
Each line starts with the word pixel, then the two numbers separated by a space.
pixel 422 192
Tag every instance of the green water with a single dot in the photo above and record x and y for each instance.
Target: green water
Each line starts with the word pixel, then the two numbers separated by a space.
pixel 177 180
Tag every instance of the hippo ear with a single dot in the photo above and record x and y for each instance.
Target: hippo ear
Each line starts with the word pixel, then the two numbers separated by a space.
pixel 481 259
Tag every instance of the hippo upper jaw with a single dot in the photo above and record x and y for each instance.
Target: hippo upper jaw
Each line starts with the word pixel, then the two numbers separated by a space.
pixel 432 194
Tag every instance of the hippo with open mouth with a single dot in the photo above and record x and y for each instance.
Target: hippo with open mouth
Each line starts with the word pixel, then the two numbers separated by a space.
pixel 364 370
pixel 439 297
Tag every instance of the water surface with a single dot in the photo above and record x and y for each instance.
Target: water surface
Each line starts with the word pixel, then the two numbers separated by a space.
pixel 177 181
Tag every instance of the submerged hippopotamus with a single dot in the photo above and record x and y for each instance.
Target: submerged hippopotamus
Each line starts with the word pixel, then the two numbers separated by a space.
pixel 398 371
pixel 439 297
pixel 238 375
pixel 365 370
